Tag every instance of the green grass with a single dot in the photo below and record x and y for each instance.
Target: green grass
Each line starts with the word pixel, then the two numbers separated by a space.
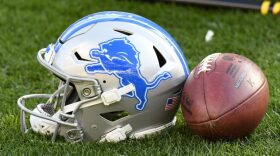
pixel 27 26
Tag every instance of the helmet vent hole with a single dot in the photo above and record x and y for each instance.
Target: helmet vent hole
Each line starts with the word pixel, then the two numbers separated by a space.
pixel 78 56
pixel 104 81
pixel 60 41
pixel 125 32
pixel 161 59
pixel 113 116
pixel 178 91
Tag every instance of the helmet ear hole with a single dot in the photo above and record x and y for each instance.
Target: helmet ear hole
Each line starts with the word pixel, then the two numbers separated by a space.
pixel 73 97
pixel 104 81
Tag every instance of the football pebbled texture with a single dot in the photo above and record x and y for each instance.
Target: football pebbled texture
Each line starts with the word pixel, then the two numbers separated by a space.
pixel 225 97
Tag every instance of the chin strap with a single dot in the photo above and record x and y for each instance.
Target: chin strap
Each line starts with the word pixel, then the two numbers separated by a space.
pixel 114 95
pixel 117 134
pixel 41 125
pixel 151 131
pixel 107 98
pixel 120 134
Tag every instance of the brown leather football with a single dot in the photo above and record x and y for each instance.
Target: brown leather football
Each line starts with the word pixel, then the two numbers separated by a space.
pixel 225 96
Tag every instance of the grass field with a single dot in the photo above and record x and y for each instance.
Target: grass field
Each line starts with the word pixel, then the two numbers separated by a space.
pixel 27 26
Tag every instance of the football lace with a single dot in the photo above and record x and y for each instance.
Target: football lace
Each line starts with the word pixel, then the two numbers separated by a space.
pixel 205 64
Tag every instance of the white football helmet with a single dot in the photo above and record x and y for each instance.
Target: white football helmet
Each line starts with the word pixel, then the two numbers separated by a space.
pixel 121 77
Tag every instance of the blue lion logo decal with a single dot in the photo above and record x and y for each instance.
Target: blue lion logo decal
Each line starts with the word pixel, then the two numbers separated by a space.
pixel 120 58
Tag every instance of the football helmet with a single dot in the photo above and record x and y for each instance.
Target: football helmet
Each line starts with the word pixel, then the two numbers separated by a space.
pixel 120 75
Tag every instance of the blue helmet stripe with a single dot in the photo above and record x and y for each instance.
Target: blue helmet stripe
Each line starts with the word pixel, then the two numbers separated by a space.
pixel 122 17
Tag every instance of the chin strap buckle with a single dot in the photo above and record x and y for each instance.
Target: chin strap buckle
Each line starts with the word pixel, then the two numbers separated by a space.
pixel 117 134
pixel 114 95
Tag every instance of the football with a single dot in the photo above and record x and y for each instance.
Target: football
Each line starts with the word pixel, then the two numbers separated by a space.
pixel 225 97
